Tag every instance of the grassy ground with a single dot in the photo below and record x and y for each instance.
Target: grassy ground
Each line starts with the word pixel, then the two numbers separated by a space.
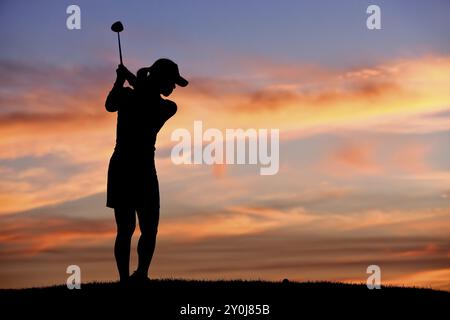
pixel 168 299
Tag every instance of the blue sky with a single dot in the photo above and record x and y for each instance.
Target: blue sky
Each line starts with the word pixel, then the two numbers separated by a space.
pixel 202 33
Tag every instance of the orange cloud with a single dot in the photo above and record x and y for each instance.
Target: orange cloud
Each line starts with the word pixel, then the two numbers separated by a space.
pixel 354 159
pixel 66 115
pixel 219 170
pixel 438 279
pixel 363 96
pixel 24 236
pixel 233 221
pixel 235 243
pixel 371 156
pixel 427 250
pixel 412 158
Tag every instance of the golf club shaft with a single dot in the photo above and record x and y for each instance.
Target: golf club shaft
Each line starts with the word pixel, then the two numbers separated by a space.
pixel 120 48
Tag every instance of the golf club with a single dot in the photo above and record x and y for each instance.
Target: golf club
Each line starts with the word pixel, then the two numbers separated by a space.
pixel 118 27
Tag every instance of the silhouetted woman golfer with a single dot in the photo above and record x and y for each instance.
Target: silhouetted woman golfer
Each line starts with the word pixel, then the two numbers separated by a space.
pixel 132 180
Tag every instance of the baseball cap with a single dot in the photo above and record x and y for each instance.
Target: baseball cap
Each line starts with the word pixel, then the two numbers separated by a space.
pixel 166 68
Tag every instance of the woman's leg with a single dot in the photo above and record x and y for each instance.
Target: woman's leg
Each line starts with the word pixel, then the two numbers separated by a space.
pixel 126 223
pixel 148 223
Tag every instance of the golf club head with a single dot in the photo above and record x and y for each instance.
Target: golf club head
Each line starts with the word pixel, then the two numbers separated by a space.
pixel 117 26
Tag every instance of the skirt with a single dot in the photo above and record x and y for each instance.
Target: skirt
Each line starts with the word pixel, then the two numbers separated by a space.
pixel 132 182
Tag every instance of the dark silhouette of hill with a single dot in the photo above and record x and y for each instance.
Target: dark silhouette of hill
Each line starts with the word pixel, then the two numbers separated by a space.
pixel 164 299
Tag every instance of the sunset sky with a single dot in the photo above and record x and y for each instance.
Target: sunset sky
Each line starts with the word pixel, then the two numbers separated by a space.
pixel 364 120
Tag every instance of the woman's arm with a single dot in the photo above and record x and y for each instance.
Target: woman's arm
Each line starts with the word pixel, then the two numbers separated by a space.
pixel 116 97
